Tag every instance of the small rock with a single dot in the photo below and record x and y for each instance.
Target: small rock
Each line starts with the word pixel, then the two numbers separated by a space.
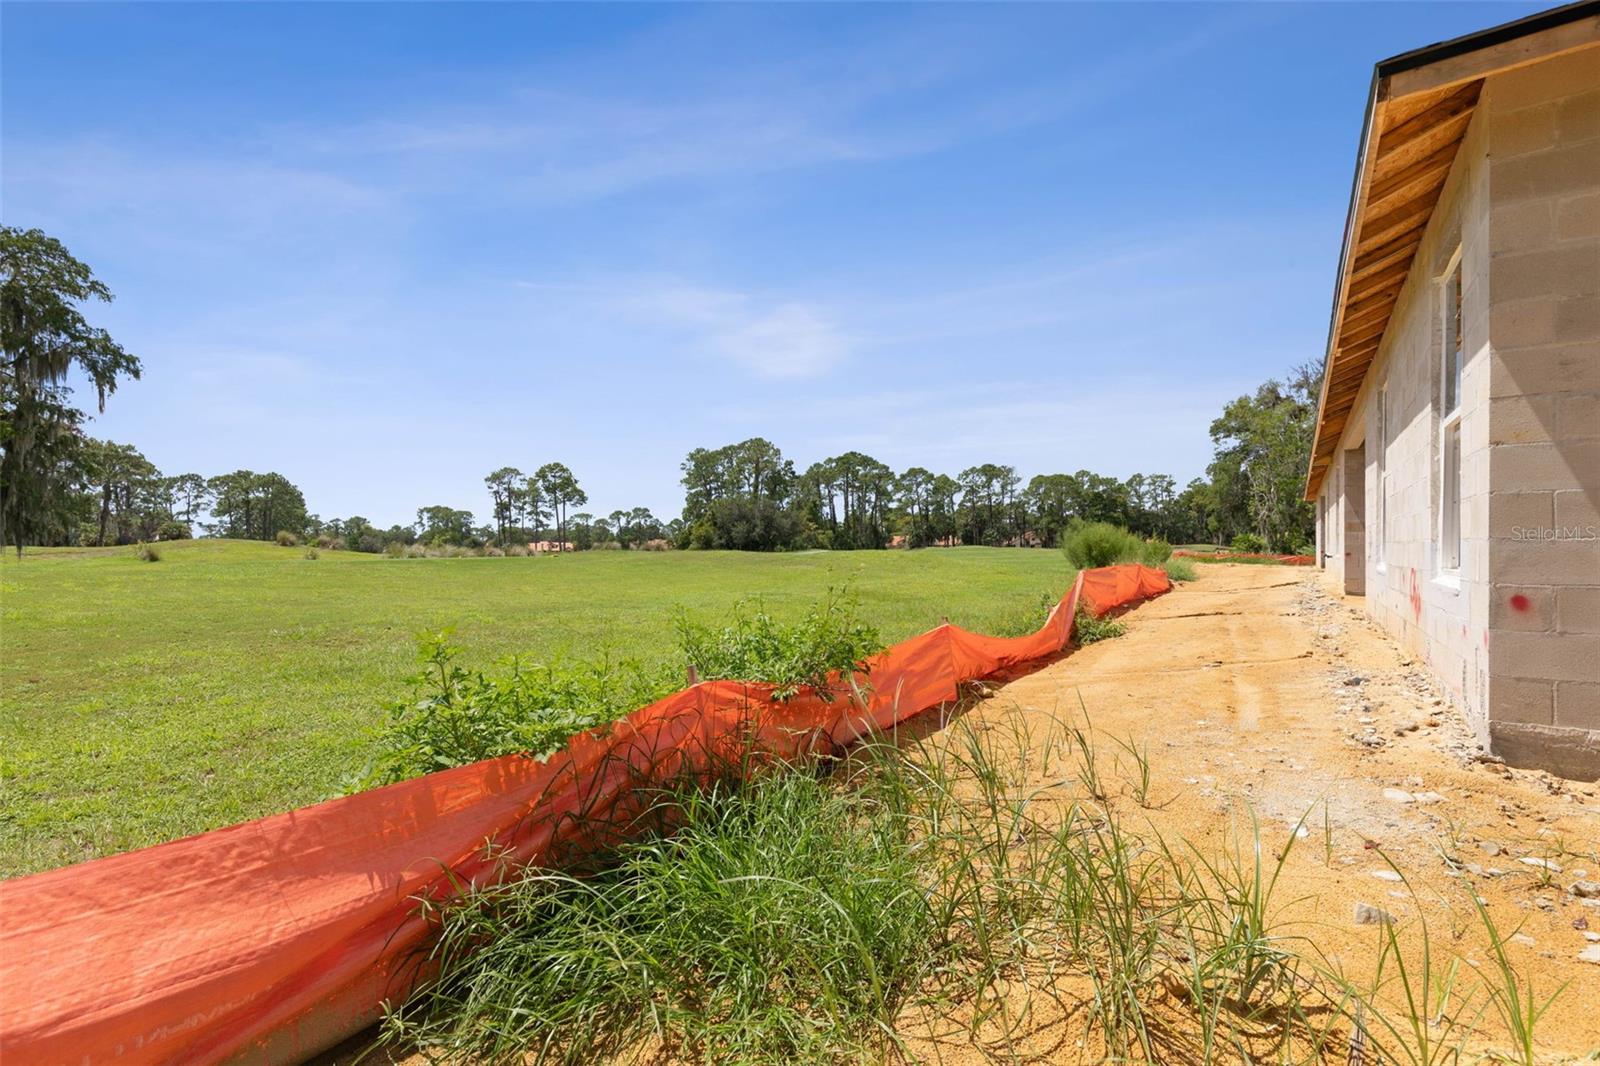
pixel 1354 679
pixel 1387 875
pixel 1523 938
pixel 1585 889
pixel 1367 914
pixel 1543 864
pixel 1371 742
pixel 1398 795
pixel 1590 954
pixel 1580 922
pixel 1474 869
pixel 1491 848
pixel 1427 797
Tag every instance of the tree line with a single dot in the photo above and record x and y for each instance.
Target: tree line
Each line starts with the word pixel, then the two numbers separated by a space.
pixel 60 486
pixel 748 496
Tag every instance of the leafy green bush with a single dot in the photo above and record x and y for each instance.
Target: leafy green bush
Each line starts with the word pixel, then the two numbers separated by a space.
pixel 457 716
pixel 172 529
pixel 1180 569
pixel 286 539
pixel 1092 544
pixel 1087 629
pixel 831 638
pixel 1155 552
pixel 1248 542
pixel 783 921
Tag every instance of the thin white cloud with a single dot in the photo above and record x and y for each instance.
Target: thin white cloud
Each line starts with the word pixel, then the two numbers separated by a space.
pixel 775 339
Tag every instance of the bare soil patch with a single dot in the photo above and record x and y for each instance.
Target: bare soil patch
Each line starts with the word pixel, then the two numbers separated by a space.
pixel 1260 695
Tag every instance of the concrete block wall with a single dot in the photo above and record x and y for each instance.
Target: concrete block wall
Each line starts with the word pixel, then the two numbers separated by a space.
pixel 1441 617
pixel 1544 413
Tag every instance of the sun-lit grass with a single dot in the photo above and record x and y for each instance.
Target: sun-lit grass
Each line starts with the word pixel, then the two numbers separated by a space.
pixel 980 886
pixel 140 702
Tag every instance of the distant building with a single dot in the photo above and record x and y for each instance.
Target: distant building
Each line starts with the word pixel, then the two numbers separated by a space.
pixel 1456 469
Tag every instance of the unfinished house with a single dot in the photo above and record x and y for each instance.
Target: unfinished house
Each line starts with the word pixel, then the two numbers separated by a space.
pixel 1456 465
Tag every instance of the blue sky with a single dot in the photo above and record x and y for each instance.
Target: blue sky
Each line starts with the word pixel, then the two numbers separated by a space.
pixel 385 249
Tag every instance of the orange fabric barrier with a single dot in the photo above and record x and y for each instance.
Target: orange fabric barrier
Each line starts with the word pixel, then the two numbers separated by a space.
pixel 273 940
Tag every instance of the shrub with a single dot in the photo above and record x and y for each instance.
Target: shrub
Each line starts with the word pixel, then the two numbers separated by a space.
pixel 150 553
pixel 1155 552
pixel 312 553
pixel 490 551
pixel 1087 629
pixel 656 544
pixel 456 716
pixel 830 639
pixel 1092 544
pixel 519 551
pixel 286 539
pixel 172 529
pixel 395 550
pixel 1248 542
pixel 1180 569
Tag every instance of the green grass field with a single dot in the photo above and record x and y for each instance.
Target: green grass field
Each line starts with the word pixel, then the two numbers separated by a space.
pixel 141 702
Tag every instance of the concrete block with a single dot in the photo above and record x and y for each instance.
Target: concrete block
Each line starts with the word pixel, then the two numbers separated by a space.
pixel 1565 270
pixel 1547 320
pixel 1523 608
pixel 1575 509
pixel 1533 561
pixel 1561 465
pixel 1569 753
pixel 1563 368
pixel 1521 227
pixel 1578 416
pixel 1578 705
pixel 1578 216
pixel 1512 512
pixel 1578 117
pixel 1529 701
pixel 1523 419
pixel 1552 656
pixel 1525 130
pixel 1578 608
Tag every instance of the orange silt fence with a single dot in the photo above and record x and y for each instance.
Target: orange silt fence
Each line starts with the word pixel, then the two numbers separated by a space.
pixel 275 939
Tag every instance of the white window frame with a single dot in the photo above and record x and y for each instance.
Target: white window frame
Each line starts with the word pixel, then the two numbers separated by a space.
pixel 1382 516
pixel 1452 365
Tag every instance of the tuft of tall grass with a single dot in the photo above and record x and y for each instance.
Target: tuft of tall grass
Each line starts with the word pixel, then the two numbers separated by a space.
pixel 1179 569
pixel 783 921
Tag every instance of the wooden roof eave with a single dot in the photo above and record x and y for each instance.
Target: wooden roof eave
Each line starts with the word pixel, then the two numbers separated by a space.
pixel 1418 110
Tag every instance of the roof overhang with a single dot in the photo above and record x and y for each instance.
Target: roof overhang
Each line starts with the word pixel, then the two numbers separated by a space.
pixel 1417 113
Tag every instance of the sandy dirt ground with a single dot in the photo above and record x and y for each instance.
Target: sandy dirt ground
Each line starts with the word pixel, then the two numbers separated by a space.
pixel 1255 689
pixel 1258 693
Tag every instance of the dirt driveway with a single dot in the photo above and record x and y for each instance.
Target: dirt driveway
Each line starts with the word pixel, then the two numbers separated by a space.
pixel 1256 691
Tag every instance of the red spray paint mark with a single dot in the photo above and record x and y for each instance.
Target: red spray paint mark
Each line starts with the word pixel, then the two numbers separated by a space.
pixel 1416 596
pixel 1521 603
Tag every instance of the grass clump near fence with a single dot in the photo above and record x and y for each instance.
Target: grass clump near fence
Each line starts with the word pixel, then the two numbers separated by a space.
pixel 455 716
pixel 1093 544
pixel 783 921
pixel 993 885
pixel 830 639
